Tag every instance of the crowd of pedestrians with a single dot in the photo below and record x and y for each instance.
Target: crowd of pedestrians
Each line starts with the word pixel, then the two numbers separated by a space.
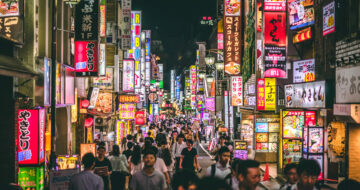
pixel 167 158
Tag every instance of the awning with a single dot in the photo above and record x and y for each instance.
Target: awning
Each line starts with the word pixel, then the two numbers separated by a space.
pixel 13 67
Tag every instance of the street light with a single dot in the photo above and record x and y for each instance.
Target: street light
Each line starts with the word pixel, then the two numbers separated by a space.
pixel 209 60
pixel 219 66
pixel 210 79
pixel 201 74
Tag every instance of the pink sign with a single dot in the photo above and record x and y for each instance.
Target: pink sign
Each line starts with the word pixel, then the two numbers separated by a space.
pixel 31 130
pixel 210 104
pixel 220 41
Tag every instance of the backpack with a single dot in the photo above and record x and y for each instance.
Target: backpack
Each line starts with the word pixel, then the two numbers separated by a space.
pixel 213 170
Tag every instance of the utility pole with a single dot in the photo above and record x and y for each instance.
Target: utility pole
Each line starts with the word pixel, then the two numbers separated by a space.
pixel 53 86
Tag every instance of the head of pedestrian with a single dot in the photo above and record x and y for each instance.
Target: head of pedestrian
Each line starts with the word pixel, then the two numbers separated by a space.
pixel 224 156
pixel 291 174
pixel 101 151
pixel 348 184
pixel 115 150
pixel 130 145
pixel 248 174
pixel 308 172
pixel 149 159
pixel 163 144
pixel 88 160
pixel 189 144
pixel 180 138
pixel 184 180
pixel 222 140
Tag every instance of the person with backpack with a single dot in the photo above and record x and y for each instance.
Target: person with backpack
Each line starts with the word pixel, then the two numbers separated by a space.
pixel 221 168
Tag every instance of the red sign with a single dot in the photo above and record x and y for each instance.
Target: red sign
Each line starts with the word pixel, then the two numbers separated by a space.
pixel 140 118
pixel 275 28
pixel 232 45
pixel 86 58
pixel 310 119
pixel 260 94
pixel 220 42
pixel 275 5
pixel 302 35
pixel 31 130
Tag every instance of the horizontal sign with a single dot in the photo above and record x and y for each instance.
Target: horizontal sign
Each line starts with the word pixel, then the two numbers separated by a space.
pixel 305 95
pixel 301 13
pixel 302 35
pixel 304 71
pixel 275 5
pixel 129 99
pixel 348 85
pixel 275 62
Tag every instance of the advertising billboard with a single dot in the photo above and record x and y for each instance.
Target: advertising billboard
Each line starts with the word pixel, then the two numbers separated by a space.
pixel 301 13
pixel 104 103
pixel 275 28
pixel 128 75
pixel 275 5
pixel 275 62
pixel 232 45
pixel 266 94
pixel 236 91
pixel 140 118
pixel 127 111
pixel 329 18
pixel 305 95
pixel 304 71
pixel 31 139
pixel 210 104
pixel 293 123
pixel 232 7
pixel 86 58
pixel 193 84
pixel 120 130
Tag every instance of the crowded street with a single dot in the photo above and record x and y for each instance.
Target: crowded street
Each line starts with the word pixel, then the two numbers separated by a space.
pixel 180 94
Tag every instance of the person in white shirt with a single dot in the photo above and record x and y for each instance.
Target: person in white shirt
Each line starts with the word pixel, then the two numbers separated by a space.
pixel 221 168
pixel 87 180
pixel 161 166
pixel 177 149
pixel 120 169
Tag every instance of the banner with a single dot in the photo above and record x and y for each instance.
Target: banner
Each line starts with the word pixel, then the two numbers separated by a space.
pixel 232 45
pixel 266 94
pixel 329 18
pixel 236 91
pixel 275 62
pixel 128 75
pixel 304 71
pixel 305 95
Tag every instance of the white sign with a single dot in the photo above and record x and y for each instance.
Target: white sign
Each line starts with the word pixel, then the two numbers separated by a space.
pixel 172 87
pixel 128 76
pixel 305 95
pixel 161 71
pixel 236 91
pixel 226 104
pixel 329 18
pixel 304 71
pixel 348 85
pixel 342 109
pixel 104 82
pixel 126 24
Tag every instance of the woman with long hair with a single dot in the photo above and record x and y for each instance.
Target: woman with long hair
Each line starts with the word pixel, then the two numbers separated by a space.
pixel 169 162
pixel 120 175
pixel 135 163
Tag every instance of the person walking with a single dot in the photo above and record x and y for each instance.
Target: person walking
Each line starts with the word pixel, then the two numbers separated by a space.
pixel 221 169
pixel 87 180
pixel 188 159
pixel 135 163
pixel 169 162
pixel 148 178
pixel 103 166
pixel 120 170
pixel 177 149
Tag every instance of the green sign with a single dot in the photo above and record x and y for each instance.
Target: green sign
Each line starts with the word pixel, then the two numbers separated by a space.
pixel 31 178
pixel 161 84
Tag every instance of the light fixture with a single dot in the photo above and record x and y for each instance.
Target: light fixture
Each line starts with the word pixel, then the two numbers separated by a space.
pixel 209 60
pixel 210 79
pixel 202 74
pixel 220 65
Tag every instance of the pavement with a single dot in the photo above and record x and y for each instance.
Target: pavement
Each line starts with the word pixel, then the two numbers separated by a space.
pixel 205 161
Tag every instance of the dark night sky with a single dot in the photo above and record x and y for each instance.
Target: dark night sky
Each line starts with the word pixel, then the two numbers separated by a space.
pixel 177 24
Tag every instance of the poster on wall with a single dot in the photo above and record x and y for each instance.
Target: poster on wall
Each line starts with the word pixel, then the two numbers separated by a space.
pixel 305 95
pixel 262 147
pixel 232 45
pixel 293 123
pixel 304 71
pixel 348 85
pixel 316 142
pixel 266 94
pixel 275 62
pixel 86 58
pixel 329 18
pixel 128 75
pixel 31 136
pixel 275 28
pixel 236 91
pixel 275 5
pixel 274 127
pixel 301 13
pixel 262 137
pixel 232 7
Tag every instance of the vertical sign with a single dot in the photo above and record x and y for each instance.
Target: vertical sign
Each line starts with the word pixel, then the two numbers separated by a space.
pixel 329 18
pixel 266 94
pixel 126 24
pixel 31 131
pixel 178 87
pixel 236 91
pixel 147 57
pixel 120 128
pixel 232 44
pixel 102 19
pixel 172 86
pixel 128 75
pixel 86 58
pixel 135 52
pixel 226 104
pixel 87 20
pixel 193 83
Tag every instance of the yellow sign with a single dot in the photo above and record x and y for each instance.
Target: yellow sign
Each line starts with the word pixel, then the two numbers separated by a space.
pixel 270 93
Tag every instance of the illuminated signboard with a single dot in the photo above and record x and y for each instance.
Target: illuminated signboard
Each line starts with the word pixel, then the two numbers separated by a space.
pixel 301 13
pixel 193 81
pixel 266 94
pixel 31 139
pixel 86 58
pixel 127 111
pixel 304 71
pixel 232 7
pixel 125 25
pixel 259 16
pixel 102 19
pixel 87 21
pixel 140 118
pixel 302 35
pixel 135 52
pixel 329 18
pixel 232 45
pixel 104 82
pixel 128 75
pixel 120 130
pixel 9 8
pixel 210 104
pixel 86 148
pixel 236 91
pixel 31 177
pixel 11 21
pixel 220 42
pixel 161 71
pixel 129 99
pixel 275 28
pixel 172 86
pixel 275 61
pixel 305 95
pixel 178 86
pixel 102 60
pixel 275 5
pixel 147 57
